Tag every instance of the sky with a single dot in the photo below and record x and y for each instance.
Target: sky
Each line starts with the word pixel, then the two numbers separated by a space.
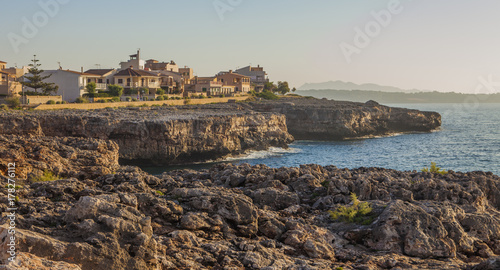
pixel 425 44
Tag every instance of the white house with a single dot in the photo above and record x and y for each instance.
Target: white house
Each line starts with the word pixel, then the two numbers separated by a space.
pixel 71 83
pixel 135 62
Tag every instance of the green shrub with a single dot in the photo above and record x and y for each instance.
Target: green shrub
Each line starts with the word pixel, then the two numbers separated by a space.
pixel 51 102
pixel 13 102
pixel 160 92
pixel 267 95
pixel 59 102
pixel 4 107
pixel 128 99
pixel 160 98
pixel 46 176
pixel 434 169
pixel 115 99
pixel 102 100
pixel 81 100
pixel 115 90
pixel 64 102
pixel 187 101
pixel 356 213
pixel 159 193
pixel 134 99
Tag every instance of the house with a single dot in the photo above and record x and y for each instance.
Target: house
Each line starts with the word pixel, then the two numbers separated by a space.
pixel 240 82
pixel 132 78
pixel 156 66
pixel 187 74
pixel 135 62
pixel 10 80
pixel 257 76
pixel 71 83
pixel 172 82
pixel 208 86
pixel 9 86
pixel 105 77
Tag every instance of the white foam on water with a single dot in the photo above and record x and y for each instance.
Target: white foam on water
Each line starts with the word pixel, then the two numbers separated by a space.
pixel 271 152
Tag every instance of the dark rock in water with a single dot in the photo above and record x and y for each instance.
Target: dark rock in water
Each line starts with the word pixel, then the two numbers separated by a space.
pixel 255 217
pixel 314 119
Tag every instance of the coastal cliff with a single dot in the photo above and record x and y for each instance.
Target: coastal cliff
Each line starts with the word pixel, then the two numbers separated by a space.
pixel 160 135
pixel 247 217
pixel 314 119
pixel 188 134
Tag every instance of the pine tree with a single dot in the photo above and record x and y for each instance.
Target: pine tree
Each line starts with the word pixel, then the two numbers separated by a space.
pixel 35 81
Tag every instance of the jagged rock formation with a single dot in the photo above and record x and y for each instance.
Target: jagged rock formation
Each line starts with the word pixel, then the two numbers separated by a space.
pixel 313 119
pixel 160 135
pixel 62 156
pixel 256 217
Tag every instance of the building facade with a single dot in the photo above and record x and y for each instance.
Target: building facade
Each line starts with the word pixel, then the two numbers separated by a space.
pixel 258 77
pixel 71 83
pixel 240 82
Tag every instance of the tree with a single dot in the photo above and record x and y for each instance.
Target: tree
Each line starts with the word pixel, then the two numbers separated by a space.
pixel 115 90
pixel 91 89
pixel 270 86
pixel 35 80
pixel 283 88
pixel 294 89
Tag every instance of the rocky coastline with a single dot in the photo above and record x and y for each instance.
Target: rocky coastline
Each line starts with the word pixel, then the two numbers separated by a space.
pixel 100 215
pixel 321 119
pixel 197 133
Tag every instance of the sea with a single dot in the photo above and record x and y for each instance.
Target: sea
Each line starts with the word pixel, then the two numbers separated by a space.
pixel 468 140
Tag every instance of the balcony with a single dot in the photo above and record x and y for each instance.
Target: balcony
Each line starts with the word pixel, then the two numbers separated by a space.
pixel 101 86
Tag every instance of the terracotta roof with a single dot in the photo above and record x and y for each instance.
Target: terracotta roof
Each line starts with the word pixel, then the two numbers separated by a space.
pixel 235 74
pixel 3 62
pixel 99 71
pixel 136 73
pixel 80 73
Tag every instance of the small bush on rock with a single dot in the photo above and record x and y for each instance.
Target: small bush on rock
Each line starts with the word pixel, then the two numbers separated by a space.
pixel 45 177
pixel 434 169
pixel 356 213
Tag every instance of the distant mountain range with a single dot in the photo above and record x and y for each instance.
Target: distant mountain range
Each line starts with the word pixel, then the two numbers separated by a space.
pixel 341 85
pixel 400 97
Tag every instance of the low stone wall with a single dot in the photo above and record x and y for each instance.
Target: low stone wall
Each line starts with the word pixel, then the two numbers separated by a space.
pixel 91 106
pixel 40 99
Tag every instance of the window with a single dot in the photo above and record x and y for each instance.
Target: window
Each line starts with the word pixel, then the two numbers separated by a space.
pixel 120 81
pixel 88 80
pixel 204 89
pixel 99 80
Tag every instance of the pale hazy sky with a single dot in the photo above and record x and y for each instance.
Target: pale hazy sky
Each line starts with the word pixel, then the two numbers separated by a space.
pixel 426 44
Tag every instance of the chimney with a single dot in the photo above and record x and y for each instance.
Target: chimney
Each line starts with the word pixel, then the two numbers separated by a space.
pixel 82 69
pixel 230 71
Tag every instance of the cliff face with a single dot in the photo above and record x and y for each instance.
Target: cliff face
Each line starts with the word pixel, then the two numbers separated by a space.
pixel 312 119
pixel 160 135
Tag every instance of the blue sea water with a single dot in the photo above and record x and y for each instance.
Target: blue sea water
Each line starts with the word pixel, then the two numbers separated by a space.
pixel 469 140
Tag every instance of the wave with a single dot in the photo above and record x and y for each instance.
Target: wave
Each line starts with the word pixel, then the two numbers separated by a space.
pixel 271 152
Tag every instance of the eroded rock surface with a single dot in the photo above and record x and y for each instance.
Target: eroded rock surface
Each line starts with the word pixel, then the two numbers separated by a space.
pixel 256 217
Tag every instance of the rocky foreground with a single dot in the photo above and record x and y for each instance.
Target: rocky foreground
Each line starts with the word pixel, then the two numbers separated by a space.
pixel 197 133
pixel 103 216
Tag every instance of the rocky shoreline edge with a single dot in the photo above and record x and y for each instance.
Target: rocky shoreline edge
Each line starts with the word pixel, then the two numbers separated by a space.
pixel 164 135
pixel 95 214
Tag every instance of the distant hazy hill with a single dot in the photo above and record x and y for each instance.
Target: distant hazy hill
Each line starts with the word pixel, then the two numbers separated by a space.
pixel 393 97
pixel 340 85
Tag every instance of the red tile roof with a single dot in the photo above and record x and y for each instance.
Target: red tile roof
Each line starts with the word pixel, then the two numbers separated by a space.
pixel 135 73
pixel 100 72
